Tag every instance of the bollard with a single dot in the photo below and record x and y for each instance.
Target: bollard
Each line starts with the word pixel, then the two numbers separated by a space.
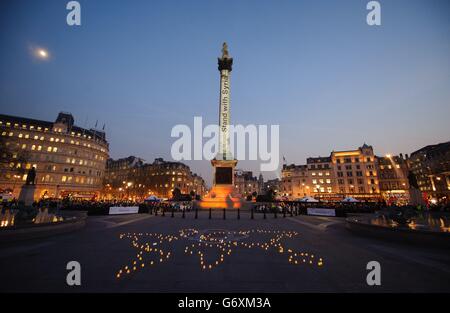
pixel 264 212
pixel 296 210
pixel 291 212
pixel 239 214
pixel 196 212
pixel 224 216
pixel 275 213
pixel 284 212
pixel 251 216
pixel 184 215
pixel 163 212
pixel 209 213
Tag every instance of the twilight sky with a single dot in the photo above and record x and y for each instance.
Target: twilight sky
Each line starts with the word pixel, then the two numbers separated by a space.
pixel 314 67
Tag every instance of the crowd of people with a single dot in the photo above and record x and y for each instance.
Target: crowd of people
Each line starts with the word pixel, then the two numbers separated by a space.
pixel 101 207
pixel 301 207
pixel 158 207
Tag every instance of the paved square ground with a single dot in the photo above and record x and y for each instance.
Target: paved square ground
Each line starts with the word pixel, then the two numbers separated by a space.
pixel 292 254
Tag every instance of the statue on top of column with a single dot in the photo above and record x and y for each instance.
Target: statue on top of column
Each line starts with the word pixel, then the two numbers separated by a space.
pixel 225 54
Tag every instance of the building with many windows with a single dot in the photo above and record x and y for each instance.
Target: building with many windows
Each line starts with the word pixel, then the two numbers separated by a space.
pixel 321 182
pixel 246 184
pixel 69 160
pixel 350 173
pixel 393 179
pixel 294 181
pixel 131 178
pixel 356 173
pixel 431 168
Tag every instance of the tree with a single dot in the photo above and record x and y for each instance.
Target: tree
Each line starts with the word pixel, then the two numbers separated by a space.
pixel 176 194
pixel 270 194
pixel 12 159
pixel 413 180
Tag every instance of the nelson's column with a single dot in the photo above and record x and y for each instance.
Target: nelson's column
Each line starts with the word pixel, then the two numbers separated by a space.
pixel 221 195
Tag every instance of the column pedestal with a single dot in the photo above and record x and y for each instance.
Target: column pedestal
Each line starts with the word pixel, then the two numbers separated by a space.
pixel 222 194
pixel 27 194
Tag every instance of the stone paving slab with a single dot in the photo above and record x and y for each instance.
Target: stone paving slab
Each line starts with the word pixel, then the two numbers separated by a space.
pixel 40 265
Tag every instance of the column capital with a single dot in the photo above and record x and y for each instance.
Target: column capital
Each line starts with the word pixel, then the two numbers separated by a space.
pixel 225 64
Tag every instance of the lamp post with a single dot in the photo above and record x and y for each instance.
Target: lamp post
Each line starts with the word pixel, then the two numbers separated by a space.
pixel 129 184
pixel 15 177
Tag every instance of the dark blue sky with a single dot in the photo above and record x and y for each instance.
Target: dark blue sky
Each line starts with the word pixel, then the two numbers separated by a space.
pixel 314 67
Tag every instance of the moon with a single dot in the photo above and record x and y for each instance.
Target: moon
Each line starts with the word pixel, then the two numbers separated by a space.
pixel 41 53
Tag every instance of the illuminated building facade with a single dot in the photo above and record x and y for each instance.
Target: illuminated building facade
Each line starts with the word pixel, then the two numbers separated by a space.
pixel 350 173
pixel 69 160
pixel 246 184
pixel 393 179
pixel 356 173
pixel 131 178
pixel 294 181
pixel 431 167
pixel 321 180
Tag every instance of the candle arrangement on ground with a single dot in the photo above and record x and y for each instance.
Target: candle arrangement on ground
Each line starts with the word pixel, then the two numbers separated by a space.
pixel 211 247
